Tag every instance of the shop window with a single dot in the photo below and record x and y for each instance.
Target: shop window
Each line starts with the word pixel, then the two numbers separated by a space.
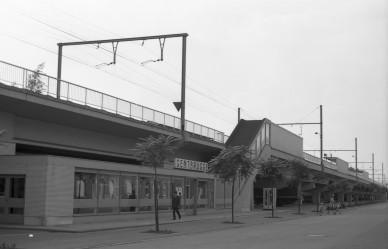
pixel 202 190
pixel 128 187
pixel 2 186
pixel 145 188
pixel 177 185
pixel 189 194
pixel 85 193
pixel 108 186
pixel 108 193
pixel 163 188
pixel 145 194
pixel 17 187
pixel 84 186
pixel 128 193
pixel 15 210
pixel 189 189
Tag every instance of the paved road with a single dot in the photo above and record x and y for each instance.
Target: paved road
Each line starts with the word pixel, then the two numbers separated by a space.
pixel 363 227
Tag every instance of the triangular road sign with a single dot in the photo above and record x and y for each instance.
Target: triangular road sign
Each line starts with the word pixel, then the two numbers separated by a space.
pixel 178 105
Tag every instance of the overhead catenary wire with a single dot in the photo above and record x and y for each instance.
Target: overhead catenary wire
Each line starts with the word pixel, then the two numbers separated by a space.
pixel 229 105
pixel 110 73
pixel 71 34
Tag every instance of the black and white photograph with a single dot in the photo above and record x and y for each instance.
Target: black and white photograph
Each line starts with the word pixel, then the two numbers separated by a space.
pixel 194 124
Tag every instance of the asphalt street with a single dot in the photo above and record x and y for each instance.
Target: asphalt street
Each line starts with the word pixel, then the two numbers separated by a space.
pixel 360 227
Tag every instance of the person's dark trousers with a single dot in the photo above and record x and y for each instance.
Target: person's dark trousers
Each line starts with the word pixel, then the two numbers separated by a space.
pixel 177 211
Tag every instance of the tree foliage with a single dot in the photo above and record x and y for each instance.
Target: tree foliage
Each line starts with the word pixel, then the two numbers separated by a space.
pixel 272 169
pixel 275 168
pixel 299 172
pixel 34 82
pixel 153 152
pixel 232 163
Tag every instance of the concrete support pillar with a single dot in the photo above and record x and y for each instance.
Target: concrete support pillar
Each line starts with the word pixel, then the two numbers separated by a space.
pixel 349 198
pixel 316 196
pixel 326 195
pixel 341 197
pixel 356 199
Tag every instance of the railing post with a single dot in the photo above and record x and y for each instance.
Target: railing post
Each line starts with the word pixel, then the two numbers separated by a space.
pixel 117 105
pixel 24 78
pixel 48 85
pixel 102 101
pixel 68 91
pixel 86 96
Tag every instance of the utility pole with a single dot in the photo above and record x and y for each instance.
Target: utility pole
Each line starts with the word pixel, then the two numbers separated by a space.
pixel 238 115
pixel 356 160
pixel 373 167
pixel 321 138
pixel 320 135
pixel 183 92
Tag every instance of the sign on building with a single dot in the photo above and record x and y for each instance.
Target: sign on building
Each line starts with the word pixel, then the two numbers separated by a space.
pixel 190 165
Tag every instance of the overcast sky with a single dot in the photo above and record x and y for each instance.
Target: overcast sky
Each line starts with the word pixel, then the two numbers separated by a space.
pixel 275 59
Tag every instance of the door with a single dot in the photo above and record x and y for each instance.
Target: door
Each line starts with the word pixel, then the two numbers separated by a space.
pixel 190 200
pixel 12 189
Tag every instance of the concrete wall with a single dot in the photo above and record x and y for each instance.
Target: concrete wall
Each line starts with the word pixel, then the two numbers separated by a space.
pixel 35 131
pixel 286 141
pixel 48 190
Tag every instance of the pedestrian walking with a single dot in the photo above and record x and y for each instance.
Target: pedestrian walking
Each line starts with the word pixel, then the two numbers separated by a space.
pixel 337 207
pixel 331 204
pixel 320 210
pixel 176 204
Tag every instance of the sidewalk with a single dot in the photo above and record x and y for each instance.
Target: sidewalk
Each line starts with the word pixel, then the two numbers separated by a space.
pixel 286 212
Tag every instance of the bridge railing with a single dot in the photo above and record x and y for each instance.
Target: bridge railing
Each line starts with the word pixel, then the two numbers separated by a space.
pixel 46 85
pixel 331 165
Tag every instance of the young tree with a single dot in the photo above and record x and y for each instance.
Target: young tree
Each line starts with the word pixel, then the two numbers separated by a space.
pixel 153 152
pixel 232 163
pixel 299 172
pixel 34 82
pixel 272 169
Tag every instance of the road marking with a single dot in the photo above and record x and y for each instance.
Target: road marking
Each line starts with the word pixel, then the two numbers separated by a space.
pixel 316 235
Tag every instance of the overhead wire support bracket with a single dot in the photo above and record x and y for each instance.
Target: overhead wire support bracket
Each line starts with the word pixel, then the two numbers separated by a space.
pixel 161 44
pixel 142 38
pixel 114 51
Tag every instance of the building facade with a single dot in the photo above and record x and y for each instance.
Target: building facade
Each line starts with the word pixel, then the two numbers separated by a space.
pixel 69 159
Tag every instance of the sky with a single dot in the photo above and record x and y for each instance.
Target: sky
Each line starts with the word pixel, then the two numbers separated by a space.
pixel 274 59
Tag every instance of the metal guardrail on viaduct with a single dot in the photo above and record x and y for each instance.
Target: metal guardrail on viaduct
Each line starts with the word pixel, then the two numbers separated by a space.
pixel 19 77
